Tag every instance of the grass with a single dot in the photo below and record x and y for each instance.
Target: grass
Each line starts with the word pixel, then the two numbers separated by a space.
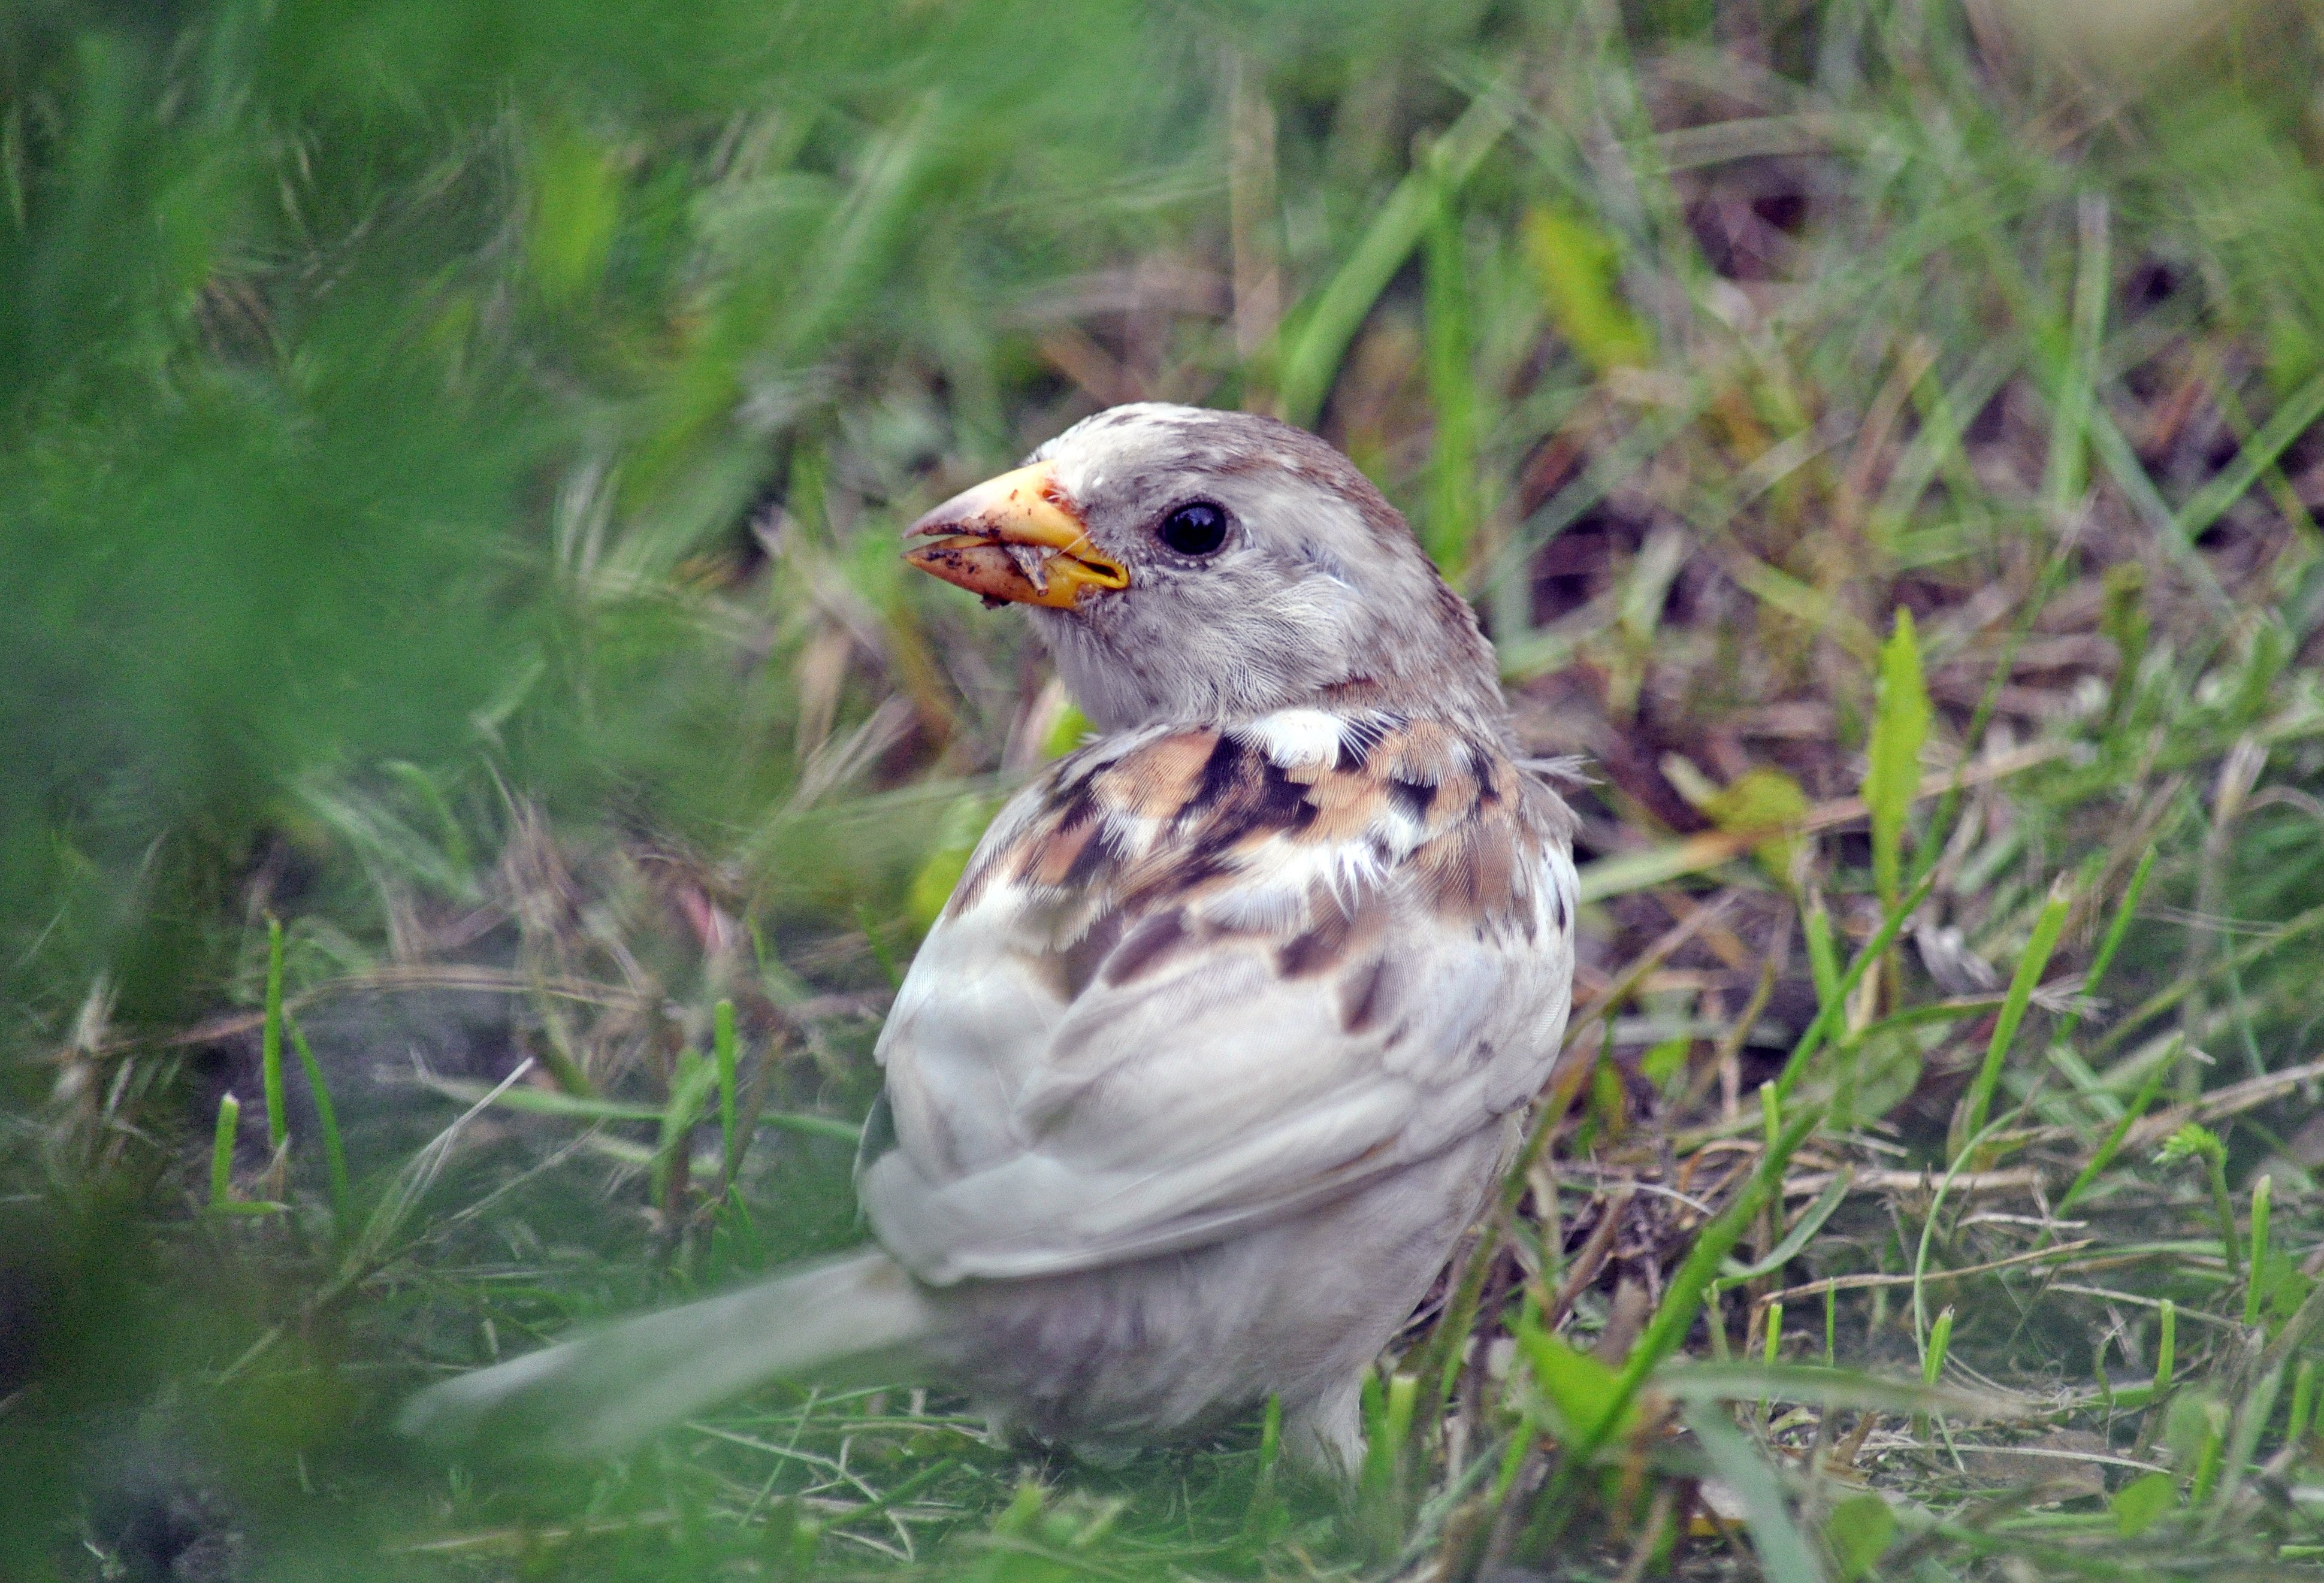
pixel 455 462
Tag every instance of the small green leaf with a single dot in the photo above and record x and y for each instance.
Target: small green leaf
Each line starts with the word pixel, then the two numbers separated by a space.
pixel 577 207
pixel 1859 1530
pixel 691 1083
pixel 1609 1102
pixel 2137 1505
pixel 1579 268
pixel 2192 1424
pixel 1763 799
pixel 2194 1141
pixel 1892 775
pixel 1665 1061
pixel 1072 728
pixel 1576 1388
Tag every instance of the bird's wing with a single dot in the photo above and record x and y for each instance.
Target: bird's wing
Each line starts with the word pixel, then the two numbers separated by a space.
pixel 1197 979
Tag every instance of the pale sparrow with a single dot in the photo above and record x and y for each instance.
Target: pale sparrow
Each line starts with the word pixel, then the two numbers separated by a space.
pixel 1227 1029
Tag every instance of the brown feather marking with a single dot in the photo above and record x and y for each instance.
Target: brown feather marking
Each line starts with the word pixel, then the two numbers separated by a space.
pixel 1421 751
pixel 1240 810
pixel 1159 779
pixel 1223 802
pixel 1332 928
pixel 971 885
pixel 1457 795
pixel 1448 866
pixel 1346 806
pixel 1147 946
pixel 1052 856
pixel 1078 963
pixel 1494 853
pixel 1010 854
pixel 1468 876
pixel 1362 994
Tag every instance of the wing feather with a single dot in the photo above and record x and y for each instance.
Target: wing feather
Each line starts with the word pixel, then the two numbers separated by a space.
pixel 1196 980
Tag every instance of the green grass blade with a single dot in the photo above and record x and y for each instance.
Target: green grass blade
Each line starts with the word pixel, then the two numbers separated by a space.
pixel 1941 1338
pixel 2066 474
pixel 2104 1154
pixel 2251 1418
pixel 2166 1345
pixel 1261 1511
pixel 1785 1555
pixel 1795 1065
pixel 723 1048
pixel 1932 1356
pixel 690 1088
pixel 229 1121
pixel 1311 361
pixel 1892 775
pixel 1452 520
pixel 2116 929
pixel 459 859
pixel 1809 1222
pixel 1824 956
pixel 1403 1396
pixel 2262 1196
pixel 2294 418
pixel 555 1102
pixel 327 1120
pixel 270 1042
pixel 2289 932
pixel 1839 1389
pixel 2031 965
pixel 1378 1455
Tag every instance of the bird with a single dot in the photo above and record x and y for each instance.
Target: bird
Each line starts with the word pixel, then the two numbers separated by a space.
pixel 1230 1026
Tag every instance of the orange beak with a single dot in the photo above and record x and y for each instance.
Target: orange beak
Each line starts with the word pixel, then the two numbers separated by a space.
pixel 1016 537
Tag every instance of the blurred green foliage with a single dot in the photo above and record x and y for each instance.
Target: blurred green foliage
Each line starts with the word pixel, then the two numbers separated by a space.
pixel 309 306
pixel 369 369
pixel 426 422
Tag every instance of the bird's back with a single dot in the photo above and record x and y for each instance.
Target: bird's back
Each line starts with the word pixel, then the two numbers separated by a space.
pixel 1203 989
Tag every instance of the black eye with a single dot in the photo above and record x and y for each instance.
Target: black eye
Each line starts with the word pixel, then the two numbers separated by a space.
pixel 1197 528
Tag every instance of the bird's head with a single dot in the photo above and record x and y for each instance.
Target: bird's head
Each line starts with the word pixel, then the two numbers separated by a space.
pixel 1183 564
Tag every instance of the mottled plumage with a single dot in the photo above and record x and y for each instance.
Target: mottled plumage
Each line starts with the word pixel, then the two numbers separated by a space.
pixel 1224 1034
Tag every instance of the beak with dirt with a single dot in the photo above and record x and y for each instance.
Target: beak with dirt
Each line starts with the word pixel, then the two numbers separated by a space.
pixel 1016 538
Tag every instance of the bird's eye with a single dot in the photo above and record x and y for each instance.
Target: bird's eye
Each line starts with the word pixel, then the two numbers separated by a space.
pixel 1197 528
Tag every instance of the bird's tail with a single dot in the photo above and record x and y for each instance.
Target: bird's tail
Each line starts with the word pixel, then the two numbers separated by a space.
pixel 607 1391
